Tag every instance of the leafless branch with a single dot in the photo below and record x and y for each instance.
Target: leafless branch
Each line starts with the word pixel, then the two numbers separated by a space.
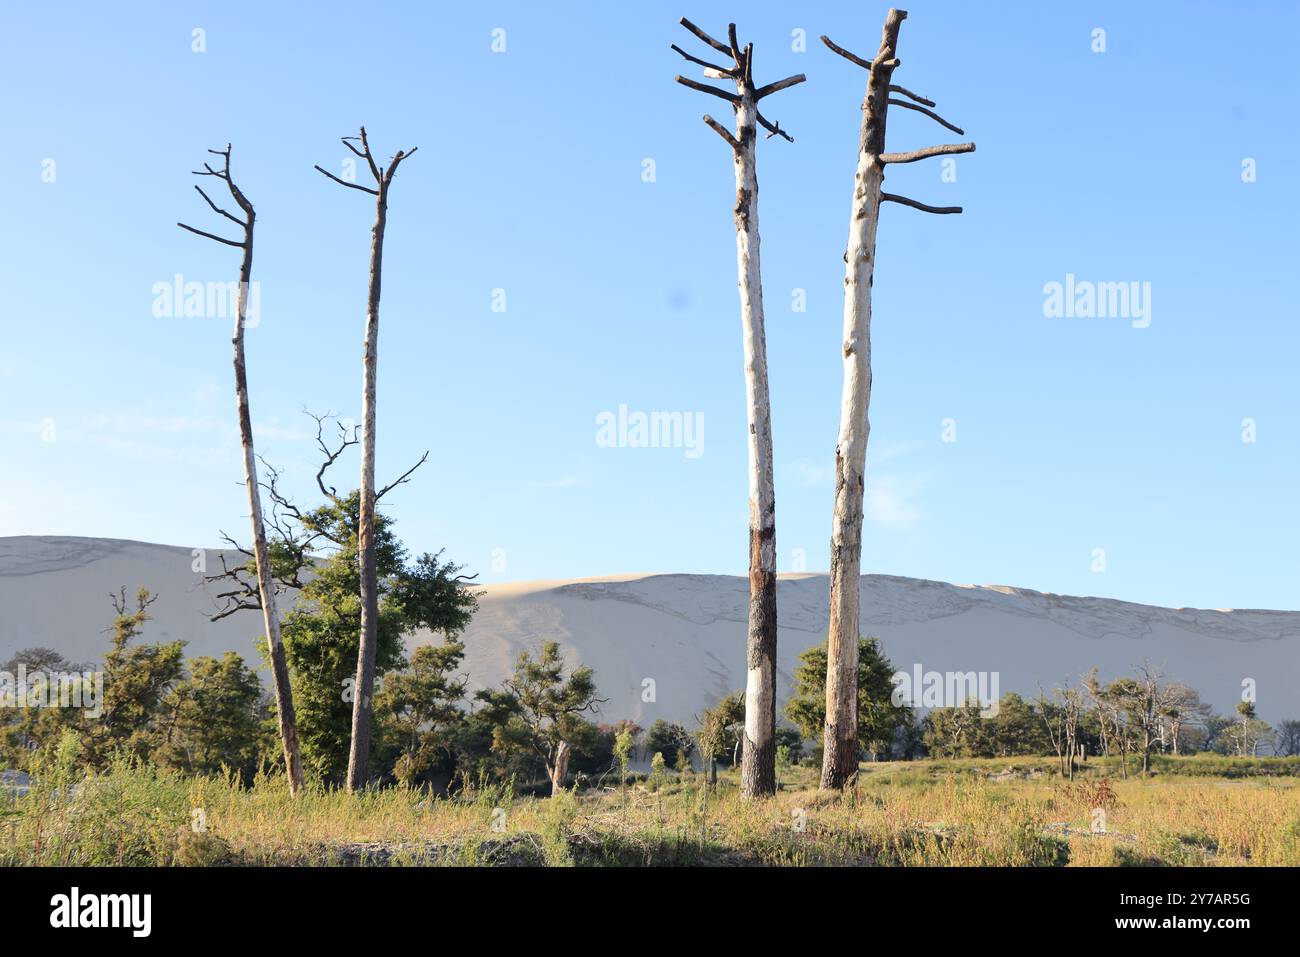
pixel 716 44
pixel 365 152
pixel 891 198
pixel 851 57
pixel 331 455
pixel 926 152
pixel 220 239
pixel 742 73
pixel 393 163
pixel 402 479
pixel 908 93
pixel 778 86
pixel 215 208
pixel 932 115
pixel 736 53
pixel 722 131
pixel 731 98
pixel 773 129
pixel 728 71
pixel 343 182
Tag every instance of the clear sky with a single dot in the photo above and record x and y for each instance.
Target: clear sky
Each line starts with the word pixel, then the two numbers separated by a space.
pixel 1072 434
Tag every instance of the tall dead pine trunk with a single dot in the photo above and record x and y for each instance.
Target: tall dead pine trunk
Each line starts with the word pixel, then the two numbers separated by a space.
pixel 261 551
pixel 363 691
pixel 840 743
pixel 758 759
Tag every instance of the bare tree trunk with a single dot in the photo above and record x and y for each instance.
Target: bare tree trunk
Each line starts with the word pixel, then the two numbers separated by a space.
pixel 359 755
pixel 363 691
pixel 561 770
pixel 261 553
pixel 758 757
pixel 840 744
pixel 840 738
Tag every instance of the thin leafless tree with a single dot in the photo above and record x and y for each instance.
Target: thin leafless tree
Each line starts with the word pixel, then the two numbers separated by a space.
pixel 758 768
pixel 840 752
pixel 1062 714
pixel 359 754
pixel 265 585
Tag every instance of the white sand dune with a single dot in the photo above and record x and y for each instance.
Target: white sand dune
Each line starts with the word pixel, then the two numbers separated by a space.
pixel 685 633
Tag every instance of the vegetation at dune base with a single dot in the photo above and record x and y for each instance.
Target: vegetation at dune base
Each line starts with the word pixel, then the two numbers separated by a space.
pixel 954 812
pixel 182 763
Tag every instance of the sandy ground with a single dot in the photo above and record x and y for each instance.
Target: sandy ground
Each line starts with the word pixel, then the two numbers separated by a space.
pixel 668 645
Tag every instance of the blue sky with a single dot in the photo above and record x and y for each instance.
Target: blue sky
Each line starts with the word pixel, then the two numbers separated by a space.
pixel 1073 434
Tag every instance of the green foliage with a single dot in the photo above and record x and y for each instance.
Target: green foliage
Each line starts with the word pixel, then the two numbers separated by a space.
pixel 668 738
pixel 624 742
pixel 152 709
pixel 878 717
pixel 541 707
pixel 720 733
pixel 658 771
pixel 952 732
pixel 1288 738
pixel 420 704
pixel 1018 728
pixel 24 730
pixel 791 741
pixel 322 631
pixel 137 678
pixel 214 719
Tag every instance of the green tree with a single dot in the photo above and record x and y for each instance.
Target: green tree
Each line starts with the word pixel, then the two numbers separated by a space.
pixel 543 708
pixel 878 717
pixel 1248 733
pixel 25 730
pixel 137 679
pixel 421 706
pixel 322 631
pixel 1288 738
pixel 1016 729
pixel 624 742
pixel 668 738
pixel 952 732
pixel 719 734
pixel 215 717
pixel 791 739
pixel 658 771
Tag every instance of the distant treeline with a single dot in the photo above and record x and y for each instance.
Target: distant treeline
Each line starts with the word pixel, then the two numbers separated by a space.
pixel 211 715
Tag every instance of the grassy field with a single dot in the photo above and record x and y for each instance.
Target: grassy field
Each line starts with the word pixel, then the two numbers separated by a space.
pixel 1193 811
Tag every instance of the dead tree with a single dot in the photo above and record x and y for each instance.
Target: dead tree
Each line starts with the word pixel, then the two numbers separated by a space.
pixel 265 585
pixel 758 770
pixel 297 537
pixel 840 753
pixel 359 755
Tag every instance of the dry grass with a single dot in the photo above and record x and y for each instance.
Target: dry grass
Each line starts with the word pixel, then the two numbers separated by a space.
pixel 917 813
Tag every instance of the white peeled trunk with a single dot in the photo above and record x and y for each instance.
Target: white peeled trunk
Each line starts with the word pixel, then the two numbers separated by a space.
pixel 840 741
pixel 367 652
pixel 758 761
